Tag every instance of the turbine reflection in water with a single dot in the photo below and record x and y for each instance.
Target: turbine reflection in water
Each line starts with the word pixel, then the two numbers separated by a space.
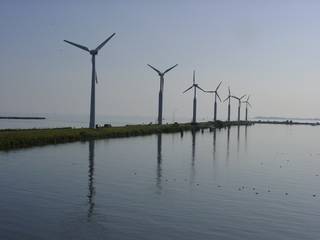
pixel 228 145
pixel 193 156
pixel 238 139
pixel 246 138
pixel 214 143
pixel 92 192
pixel 159 162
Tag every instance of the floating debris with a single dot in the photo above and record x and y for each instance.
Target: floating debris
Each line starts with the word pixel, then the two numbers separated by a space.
pixel 314 195
pixel 286 193
pixel 257 193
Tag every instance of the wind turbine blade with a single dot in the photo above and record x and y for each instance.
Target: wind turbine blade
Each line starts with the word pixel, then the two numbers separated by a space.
pixel 78 45
pixel 218 96
pixel 243 96
pixel 248 98
pixel 194 76
pixel 229 91
pixel 210 91
pixel 154 69
pixel 226 99
pixel 218 86
pixel 96 76
pixel 107 40
pixel 235 97
pixel 249 104
pixel 200 88
pixel 188 89
pixel 170 69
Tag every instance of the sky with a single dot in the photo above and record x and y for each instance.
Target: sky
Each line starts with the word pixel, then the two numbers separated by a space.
pixel 266 49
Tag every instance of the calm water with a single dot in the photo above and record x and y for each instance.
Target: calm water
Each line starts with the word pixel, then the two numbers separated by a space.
pixel 72 120
pixel 248 183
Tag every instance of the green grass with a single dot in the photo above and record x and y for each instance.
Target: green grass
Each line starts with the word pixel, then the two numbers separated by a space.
pixel 13 139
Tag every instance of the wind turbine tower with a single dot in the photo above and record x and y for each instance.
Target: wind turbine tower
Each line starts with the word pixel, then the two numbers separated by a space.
pixel 161 74
pixel 94 78
pixel 239 105
pixel 194 86
pixel 215 92
pixel 229 106
pixel 247 104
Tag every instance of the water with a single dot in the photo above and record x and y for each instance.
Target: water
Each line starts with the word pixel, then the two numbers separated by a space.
pixel 259 182
pixel 75 121
pixel 78 121
pixel 68 120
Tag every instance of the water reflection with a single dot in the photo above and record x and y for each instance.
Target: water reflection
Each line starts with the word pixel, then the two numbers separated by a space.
pixel 214 143
pixel 91 193
pixel 193 133
pixel 193 156
pixel 159 161
pixel 246 138
pixel 238 139
pixel 228 143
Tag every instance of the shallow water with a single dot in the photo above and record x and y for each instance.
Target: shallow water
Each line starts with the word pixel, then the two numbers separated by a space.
pixel 259 182
pixel 73 120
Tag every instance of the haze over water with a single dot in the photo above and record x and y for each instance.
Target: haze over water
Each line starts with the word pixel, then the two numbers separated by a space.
pixel 262 183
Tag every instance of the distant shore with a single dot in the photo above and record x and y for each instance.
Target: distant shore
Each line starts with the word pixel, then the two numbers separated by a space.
pixel 22 138
pixel 24 118
pixel 287 122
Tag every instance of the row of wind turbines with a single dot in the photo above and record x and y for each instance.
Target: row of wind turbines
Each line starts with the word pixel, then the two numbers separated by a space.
pixel 196 86
pixel 94 81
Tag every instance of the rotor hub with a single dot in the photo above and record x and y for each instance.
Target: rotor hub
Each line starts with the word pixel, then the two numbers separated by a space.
pixel 93 52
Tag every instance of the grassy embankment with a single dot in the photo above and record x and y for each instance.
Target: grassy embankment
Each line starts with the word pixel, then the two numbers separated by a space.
pixel 13 139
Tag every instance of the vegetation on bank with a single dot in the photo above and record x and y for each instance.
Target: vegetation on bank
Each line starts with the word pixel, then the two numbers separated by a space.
pixel 15 138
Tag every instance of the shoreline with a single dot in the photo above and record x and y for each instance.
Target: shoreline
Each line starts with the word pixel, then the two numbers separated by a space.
pixel 11 139
pixel 23 118
pixel 286 122
pixel 24 138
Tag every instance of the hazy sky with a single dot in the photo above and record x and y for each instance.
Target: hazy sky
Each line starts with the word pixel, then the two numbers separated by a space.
pixel 268 49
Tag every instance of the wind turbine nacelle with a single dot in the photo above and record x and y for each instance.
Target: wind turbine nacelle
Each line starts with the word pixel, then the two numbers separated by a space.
pixel 93 52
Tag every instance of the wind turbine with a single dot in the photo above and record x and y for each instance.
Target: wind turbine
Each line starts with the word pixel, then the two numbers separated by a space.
pixel 215 92
pixel 94 78
pixel 229 97
pixel 194 86
pixel 239 100
pixel 247 104
pixel 161 74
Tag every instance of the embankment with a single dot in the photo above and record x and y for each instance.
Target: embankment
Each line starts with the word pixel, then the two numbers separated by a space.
pixel 22 138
